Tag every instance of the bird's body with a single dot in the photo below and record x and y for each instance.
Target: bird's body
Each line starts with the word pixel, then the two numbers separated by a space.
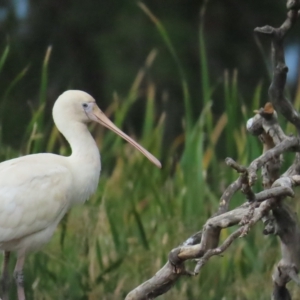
pixel 48 186
pixel 37 190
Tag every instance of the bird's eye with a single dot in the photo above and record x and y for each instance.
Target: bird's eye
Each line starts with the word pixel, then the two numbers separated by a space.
pixel 85 105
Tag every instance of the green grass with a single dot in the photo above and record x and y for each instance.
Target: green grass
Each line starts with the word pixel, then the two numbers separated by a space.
pixel 123 234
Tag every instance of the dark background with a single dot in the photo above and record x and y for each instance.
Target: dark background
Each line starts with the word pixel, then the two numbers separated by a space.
pixel 99 46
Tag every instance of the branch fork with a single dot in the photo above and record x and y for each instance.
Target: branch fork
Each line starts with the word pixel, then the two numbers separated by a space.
pixel 267 205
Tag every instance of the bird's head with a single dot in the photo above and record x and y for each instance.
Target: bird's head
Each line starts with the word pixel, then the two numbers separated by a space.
pixel 79 106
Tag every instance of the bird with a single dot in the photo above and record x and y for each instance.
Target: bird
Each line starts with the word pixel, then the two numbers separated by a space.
pixel 37 190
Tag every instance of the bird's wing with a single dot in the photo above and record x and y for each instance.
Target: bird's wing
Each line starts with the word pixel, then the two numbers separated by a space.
pixel 34 191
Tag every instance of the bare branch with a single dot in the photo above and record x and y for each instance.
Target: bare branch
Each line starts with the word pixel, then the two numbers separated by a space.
pixel 266 205
pixel 207 248
pixel 159 284
pixel 276 90
pixel 218 250
pixel 289 144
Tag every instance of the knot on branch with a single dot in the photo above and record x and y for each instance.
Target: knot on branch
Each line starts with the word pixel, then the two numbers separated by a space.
pixel 281 68
pixel 270 226
pixel 176 262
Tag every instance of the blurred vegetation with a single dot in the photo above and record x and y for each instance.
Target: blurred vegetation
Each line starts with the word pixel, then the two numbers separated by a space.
pixel 183 86
pixel 98 47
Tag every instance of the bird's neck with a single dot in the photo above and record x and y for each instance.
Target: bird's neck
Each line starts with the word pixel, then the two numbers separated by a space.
pixel 81 141
pixel 84 160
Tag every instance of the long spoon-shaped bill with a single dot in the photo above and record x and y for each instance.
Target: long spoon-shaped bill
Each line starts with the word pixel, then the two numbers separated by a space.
pixel 98 116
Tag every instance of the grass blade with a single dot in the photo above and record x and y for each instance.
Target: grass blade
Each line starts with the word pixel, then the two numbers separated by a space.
pixel 186 96
pixel 141 229
pixel 4 57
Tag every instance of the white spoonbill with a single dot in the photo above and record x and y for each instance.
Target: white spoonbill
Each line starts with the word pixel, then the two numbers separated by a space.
pixel 37 190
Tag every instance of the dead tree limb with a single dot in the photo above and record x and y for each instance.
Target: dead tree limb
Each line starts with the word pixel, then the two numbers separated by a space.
pixel 267 205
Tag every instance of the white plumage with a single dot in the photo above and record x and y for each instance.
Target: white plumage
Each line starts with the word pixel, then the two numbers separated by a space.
pixel 37 190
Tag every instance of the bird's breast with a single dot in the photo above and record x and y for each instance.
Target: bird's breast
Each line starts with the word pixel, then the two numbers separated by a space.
pixel 86 179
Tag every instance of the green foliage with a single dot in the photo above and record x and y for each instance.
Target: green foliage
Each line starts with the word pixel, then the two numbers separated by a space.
pixel 123 234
